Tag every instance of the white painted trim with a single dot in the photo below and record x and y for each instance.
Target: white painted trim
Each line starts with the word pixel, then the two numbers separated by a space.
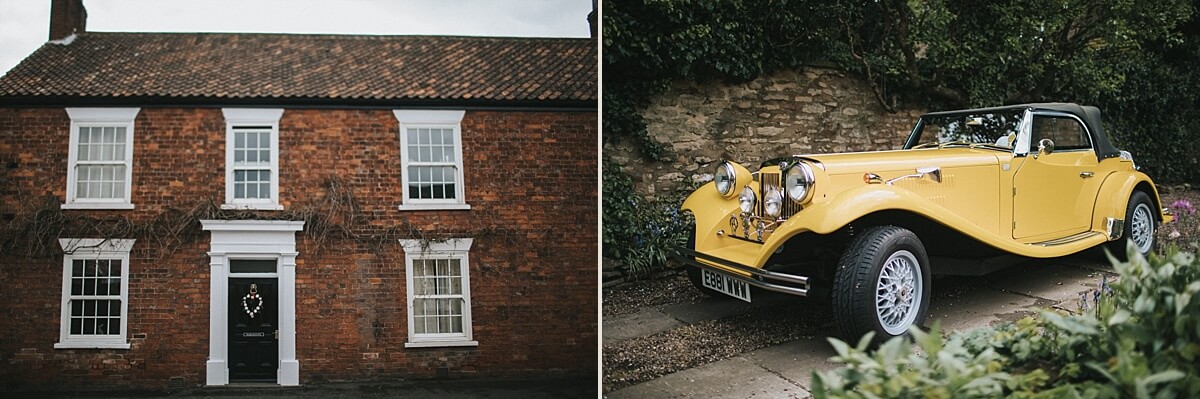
pixel 103 115
pixel 99 117
pixel 251 239
pixel 240 117
pixel 435 207
pixel 248 116
pixel 93 248
pixel 439 120
pixel 455 248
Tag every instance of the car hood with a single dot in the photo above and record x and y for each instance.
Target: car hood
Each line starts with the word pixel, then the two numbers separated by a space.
pixel 903 160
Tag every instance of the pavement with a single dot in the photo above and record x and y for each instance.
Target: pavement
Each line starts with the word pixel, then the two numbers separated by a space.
pixel 453 389
pixel 785 370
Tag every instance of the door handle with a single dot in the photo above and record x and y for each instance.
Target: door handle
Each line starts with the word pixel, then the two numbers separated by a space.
pixel 1086 175
pixel 276 335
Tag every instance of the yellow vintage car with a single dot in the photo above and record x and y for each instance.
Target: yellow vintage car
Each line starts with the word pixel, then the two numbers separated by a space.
pixel 969 191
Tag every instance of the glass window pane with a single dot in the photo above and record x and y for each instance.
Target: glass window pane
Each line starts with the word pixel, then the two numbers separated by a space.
pixel 76 326
pixel 114 308
pixel 85 135
pixel 120 135
pixel 264 139
pixel 89 326
pixel 94 152
pixel 239 140
pixel 110 135
pixel 252 265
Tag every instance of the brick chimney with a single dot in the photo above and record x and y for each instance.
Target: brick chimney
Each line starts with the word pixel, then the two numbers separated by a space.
pixel 591 17
pixel 67 17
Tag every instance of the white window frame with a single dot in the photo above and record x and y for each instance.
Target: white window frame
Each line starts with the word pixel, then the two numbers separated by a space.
pixel 94 248
pixel 416 119
pixel 99 117
pixel 455 248
pixel 236 118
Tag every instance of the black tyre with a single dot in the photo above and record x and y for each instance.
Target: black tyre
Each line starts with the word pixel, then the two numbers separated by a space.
pixel 1140 226
pixel 693 272
pixel 881 284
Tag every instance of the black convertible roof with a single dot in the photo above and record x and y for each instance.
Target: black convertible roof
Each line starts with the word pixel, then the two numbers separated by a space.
pixel 1088 114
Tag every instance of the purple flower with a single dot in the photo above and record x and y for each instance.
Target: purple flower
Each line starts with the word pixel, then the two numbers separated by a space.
pixel 1182 205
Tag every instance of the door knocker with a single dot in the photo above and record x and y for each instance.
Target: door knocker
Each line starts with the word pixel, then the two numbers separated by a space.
pixel 253 295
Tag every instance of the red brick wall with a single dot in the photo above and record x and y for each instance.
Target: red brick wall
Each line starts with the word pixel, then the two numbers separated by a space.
pixel 530 179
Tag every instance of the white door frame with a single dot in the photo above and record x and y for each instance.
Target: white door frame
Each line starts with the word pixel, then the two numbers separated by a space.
pixel 242 239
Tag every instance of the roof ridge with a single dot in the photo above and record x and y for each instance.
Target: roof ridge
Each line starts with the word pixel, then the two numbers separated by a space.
pixel 337 35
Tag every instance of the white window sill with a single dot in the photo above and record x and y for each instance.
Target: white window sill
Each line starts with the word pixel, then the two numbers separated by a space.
pixel 256 207
pixel 91 345
pixel 98 205
pixel 435 207
pixel 439 344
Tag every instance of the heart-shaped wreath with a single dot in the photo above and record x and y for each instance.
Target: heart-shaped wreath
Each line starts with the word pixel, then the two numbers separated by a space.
pixel 252 295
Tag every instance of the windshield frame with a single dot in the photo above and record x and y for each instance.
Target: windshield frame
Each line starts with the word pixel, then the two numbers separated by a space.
pixel 1022 130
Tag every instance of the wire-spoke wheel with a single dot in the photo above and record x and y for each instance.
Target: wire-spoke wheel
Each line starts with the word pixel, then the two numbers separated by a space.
pixel 896 292
pixel 1140 224
pixel 881 284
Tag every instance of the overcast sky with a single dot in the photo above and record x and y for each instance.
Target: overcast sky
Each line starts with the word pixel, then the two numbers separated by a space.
pixel 25 24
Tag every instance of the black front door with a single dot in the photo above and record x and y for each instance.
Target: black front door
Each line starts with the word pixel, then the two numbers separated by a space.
pixel 253 328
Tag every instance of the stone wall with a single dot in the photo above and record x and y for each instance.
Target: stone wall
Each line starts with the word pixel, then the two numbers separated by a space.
pixel 813 110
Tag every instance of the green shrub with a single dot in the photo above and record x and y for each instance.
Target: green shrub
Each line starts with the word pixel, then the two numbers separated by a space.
pixel 643 234
pixel 1139 337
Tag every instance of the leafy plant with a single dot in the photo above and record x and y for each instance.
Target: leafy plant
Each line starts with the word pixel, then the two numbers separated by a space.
pixel 1139 337
pixel 641 233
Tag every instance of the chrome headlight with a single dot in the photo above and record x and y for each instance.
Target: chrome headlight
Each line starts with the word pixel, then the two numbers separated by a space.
pixel 773 202
pixel 724 178
pixel 747 199
pixel 799 182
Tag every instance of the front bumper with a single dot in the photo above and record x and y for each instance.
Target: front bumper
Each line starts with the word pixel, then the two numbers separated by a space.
pixel 768 280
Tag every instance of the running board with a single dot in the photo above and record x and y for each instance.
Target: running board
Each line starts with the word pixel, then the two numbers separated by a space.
pixel 1069 239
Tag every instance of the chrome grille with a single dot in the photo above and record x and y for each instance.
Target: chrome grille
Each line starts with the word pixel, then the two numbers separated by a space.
pixel 765 180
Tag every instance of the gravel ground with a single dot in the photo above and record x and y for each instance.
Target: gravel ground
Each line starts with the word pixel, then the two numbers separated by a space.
pixel 631 297
pixel 643 359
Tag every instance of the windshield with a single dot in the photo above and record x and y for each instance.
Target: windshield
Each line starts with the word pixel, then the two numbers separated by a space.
pixel 996 129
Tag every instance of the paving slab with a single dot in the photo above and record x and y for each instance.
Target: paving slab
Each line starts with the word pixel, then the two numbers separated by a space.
pixel 644 323
pixel 737 377
pixel 796 360
pixel 710 308
pixel 1056 283
pixel 977 308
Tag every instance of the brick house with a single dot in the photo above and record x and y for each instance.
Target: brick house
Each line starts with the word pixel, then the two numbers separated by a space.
pixel 182 209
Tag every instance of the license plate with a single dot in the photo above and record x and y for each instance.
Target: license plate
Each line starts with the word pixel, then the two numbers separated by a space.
pixel 725 284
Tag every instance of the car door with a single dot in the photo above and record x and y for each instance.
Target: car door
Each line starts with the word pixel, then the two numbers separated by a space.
pixel 1054 191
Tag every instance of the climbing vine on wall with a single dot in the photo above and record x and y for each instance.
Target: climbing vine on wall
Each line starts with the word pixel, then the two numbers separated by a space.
pixel 335 215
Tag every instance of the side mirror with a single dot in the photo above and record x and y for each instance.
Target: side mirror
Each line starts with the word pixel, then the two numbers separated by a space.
pixel 1045 147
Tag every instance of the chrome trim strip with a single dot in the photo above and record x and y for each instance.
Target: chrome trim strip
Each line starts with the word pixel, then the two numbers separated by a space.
pixel 1116 228
pixel 1067 240
pixel 689 257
